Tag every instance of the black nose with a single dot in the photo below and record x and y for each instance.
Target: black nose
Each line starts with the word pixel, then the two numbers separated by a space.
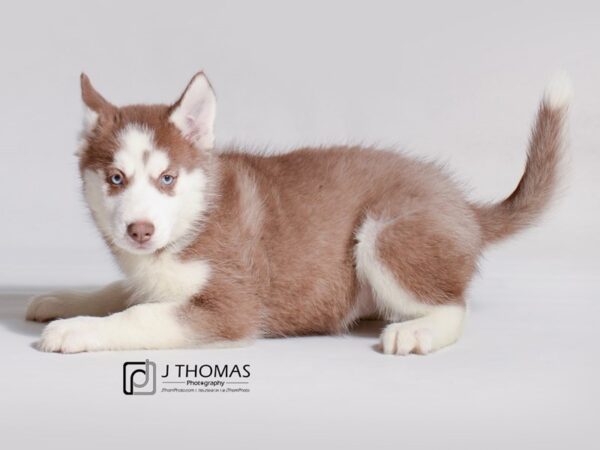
pixel 140 231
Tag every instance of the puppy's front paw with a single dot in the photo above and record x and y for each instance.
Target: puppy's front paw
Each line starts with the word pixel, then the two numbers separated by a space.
pixel 43 308
pixel 56 305
pixel 79 334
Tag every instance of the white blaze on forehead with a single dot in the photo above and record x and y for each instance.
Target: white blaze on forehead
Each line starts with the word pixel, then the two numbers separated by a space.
pixel 157 163
pixel 138 153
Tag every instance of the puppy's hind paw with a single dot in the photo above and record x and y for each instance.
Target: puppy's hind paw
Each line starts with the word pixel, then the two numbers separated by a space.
pixel 403 338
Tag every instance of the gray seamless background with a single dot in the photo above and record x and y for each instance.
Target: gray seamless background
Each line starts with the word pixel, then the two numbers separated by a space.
pixel 456 81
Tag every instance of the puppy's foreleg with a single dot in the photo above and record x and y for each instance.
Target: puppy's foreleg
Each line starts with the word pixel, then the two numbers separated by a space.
pixel 144 326
pixel 64 304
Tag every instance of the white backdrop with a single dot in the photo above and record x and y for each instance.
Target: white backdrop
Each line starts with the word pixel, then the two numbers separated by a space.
pixel 455 80
pixel 459 81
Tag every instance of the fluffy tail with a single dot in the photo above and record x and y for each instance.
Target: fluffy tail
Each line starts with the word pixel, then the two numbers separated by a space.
pixel 539 182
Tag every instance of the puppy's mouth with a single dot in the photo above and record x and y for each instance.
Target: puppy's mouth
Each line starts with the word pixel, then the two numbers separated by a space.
pixel 143 246
pixel 131 246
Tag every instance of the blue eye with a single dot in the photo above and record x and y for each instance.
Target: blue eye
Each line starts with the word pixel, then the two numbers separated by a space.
pixel 116 179
pixel 167 179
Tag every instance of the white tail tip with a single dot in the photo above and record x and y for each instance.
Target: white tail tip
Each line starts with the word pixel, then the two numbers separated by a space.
pixel 559 91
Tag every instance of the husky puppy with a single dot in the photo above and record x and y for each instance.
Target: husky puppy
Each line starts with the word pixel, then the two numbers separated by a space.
pixel 220 248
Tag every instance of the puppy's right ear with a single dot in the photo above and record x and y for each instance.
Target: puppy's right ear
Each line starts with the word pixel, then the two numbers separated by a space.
pixel 95 105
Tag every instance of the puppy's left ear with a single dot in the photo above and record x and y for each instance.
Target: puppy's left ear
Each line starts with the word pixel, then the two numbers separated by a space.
pixel 194 113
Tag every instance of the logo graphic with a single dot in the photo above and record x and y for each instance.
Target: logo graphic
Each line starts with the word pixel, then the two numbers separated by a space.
pixel 139 378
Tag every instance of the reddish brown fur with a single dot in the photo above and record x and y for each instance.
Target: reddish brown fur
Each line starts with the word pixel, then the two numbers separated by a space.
pixel 102 142
pixel 281 232
pixel 537 186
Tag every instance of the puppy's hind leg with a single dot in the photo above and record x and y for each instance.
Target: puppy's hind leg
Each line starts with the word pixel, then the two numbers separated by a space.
pixel 418 275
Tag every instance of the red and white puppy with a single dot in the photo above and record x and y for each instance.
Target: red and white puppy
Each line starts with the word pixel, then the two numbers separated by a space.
pixel 226 247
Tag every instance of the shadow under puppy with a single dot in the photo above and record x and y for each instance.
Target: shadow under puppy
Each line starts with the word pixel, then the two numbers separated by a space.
pixel 223 247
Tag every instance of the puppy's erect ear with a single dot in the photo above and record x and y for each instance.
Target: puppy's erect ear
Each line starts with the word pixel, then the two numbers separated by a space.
pixel 194 113
pixel 95 105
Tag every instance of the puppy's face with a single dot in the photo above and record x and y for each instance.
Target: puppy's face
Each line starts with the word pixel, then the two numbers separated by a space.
pixel 146 170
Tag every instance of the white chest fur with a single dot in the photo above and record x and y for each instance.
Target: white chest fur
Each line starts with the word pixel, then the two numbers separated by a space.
pixel 163 278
